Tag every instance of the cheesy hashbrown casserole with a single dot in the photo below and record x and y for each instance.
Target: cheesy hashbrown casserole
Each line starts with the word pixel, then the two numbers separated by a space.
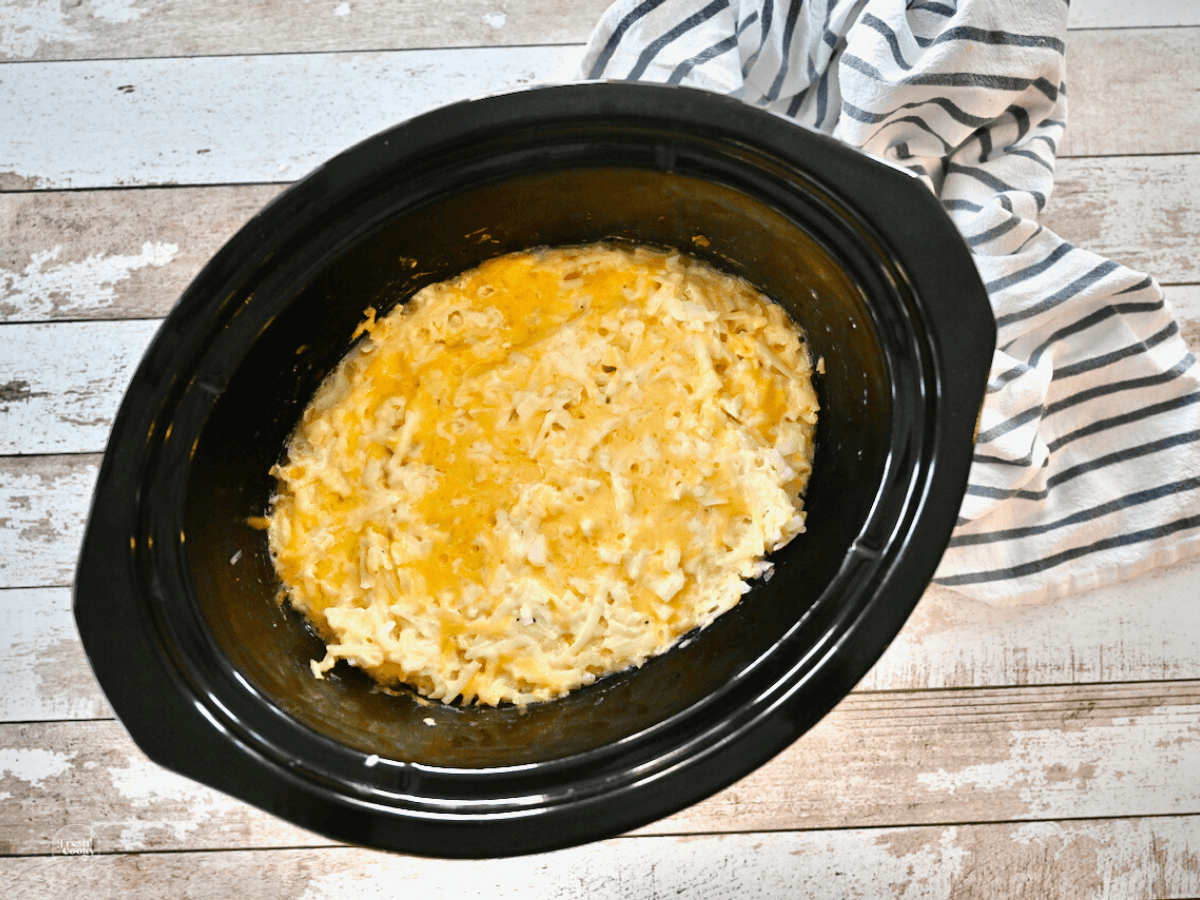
pixel 545 470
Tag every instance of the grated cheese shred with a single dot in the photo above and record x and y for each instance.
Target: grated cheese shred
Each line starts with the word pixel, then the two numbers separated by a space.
pixel 545 470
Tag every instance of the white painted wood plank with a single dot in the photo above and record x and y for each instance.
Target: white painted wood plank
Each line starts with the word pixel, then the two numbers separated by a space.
pixel 47 784
pixel 1091 207
pixel 61 384
pixel 1126 14
pixel 1110 75
pixel 42 664
pixel 886 760
pixel 111 29
pixel 44 504
pixel 219 120
pixel 112 253
pixel 50 29
pixel 1185 302
pixel 272 118
pixel 974 756
pixel 1144 629
pixel 1100 860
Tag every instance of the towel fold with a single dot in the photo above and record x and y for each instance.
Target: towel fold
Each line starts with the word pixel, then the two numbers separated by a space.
pixel 1087 464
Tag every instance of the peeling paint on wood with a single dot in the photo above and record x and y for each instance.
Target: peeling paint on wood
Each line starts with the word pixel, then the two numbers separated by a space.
pixel 1185 302
pixel 1157 238
pixel 980 755
pixel 43 506
pixel 235 119
pixel 1100 860
pixel 1122 14
pixel 903 758
pixel 105 225
pixel 113 254
pixel 49 29
pixel 90 773
pixel 32 766
pixel 75 375
pixel 46 281
pixel 42 664
pixel 1131 631
pixel 161 808
pixel 1137 63
pixel 14 392
pixel 109 29
pixel 272 118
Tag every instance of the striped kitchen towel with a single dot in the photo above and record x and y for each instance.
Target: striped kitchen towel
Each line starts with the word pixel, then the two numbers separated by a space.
pixel 1087 465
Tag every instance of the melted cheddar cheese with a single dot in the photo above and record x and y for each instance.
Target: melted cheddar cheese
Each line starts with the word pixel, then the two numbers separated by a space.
pixel 545 470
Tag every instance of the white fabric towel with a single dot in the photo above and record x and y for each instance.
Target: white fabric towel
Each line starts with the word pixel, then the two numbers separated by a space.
pixel 1087 465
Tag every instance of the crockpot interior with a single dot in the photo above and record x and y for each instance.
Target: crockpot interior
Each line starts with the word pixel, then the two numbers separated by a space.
pixel 377 251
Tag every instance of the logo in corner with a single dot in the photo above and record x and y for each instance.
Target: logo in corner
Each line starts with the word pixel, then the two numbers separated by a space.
pixel 74 845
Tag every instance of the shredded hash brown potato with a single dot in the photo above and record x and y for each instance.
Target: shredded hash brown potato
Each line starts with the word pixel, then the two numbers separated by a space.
pixel 543 471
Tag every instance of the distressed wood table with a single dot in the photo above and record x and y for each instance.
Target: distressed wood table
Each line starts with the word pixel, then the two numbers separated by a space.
pixel 1050 751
